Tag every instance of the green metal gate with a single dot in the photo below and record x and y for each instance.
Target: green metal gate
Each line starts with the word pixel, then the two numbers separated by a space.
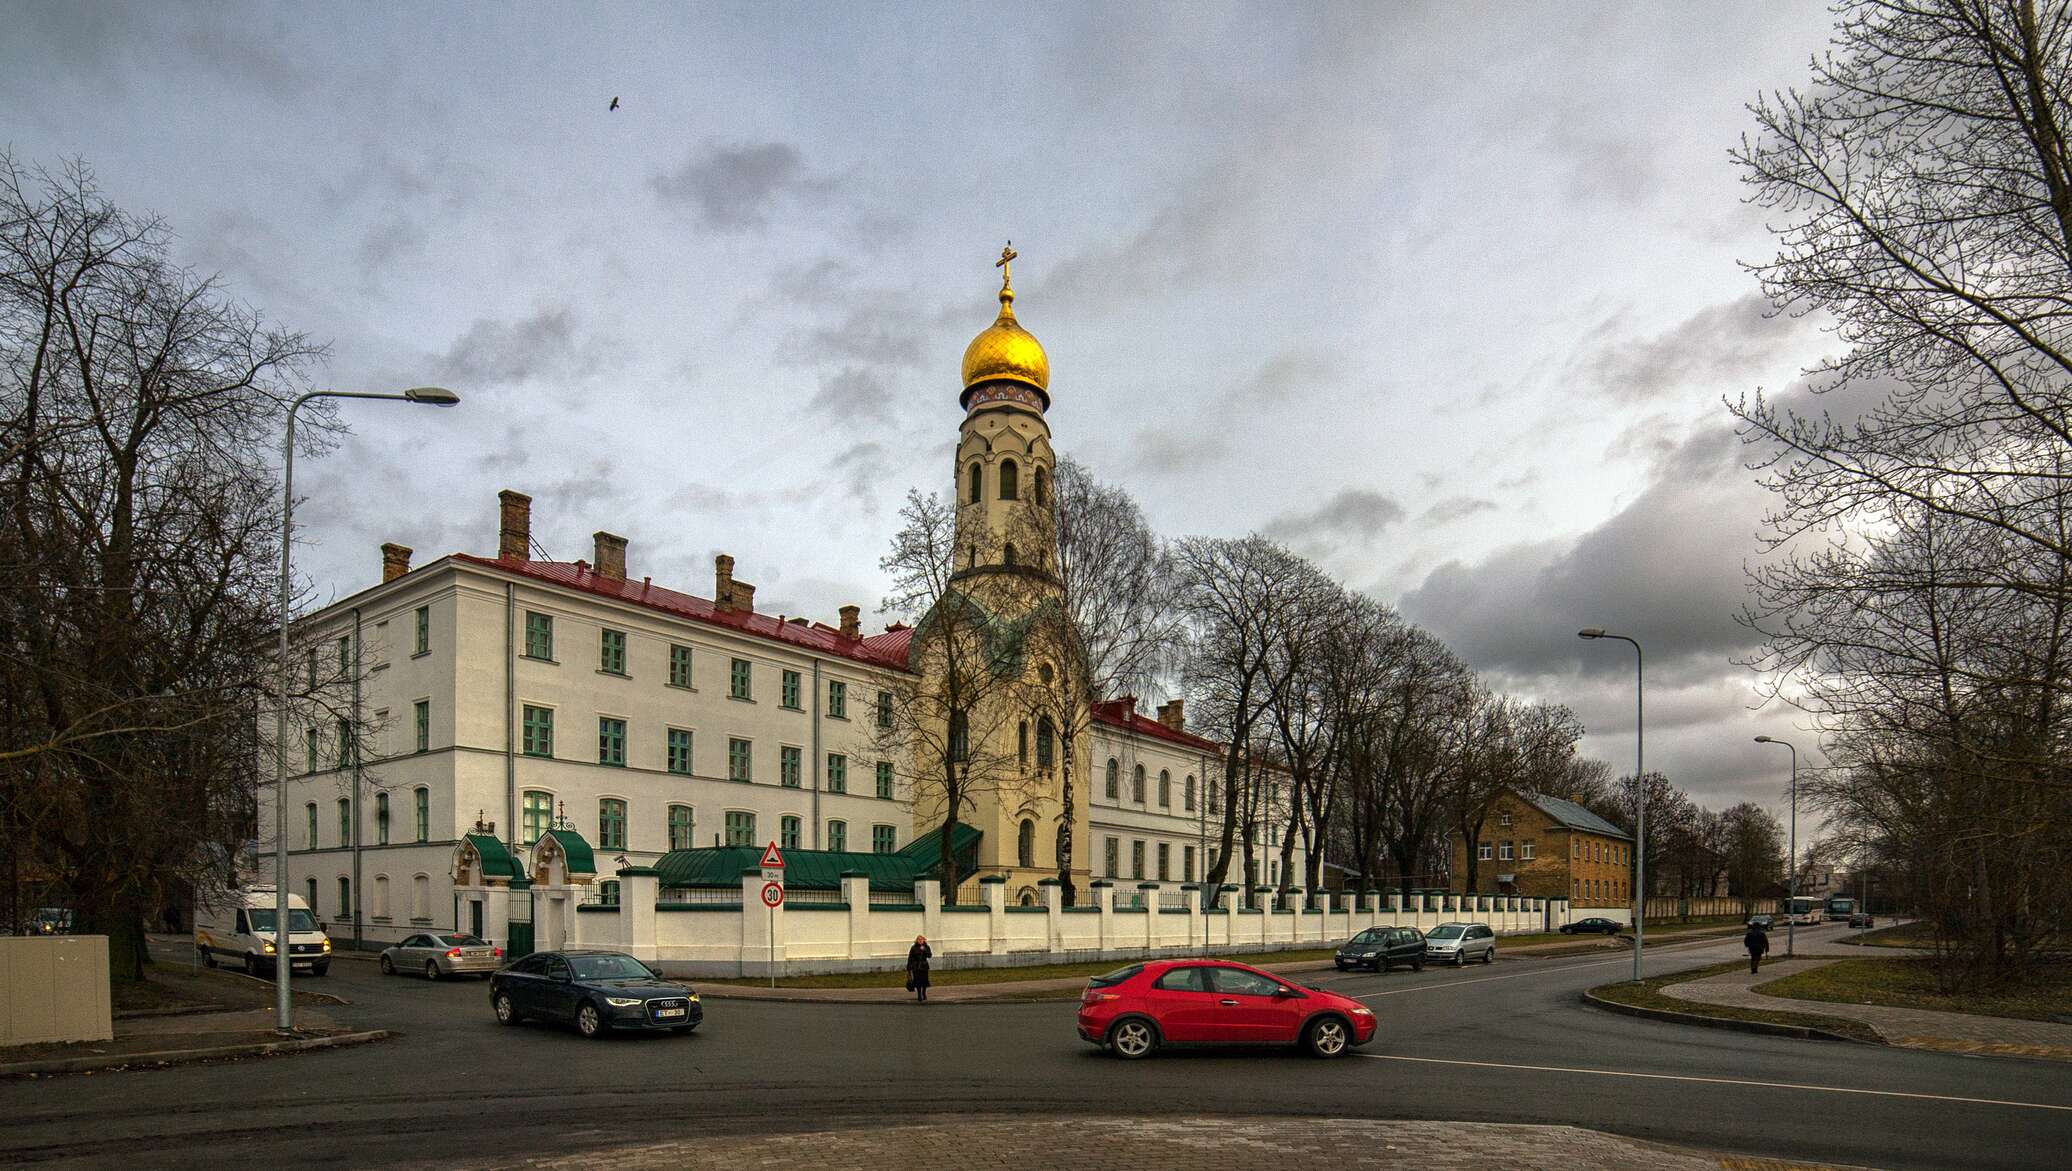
pixel 520 942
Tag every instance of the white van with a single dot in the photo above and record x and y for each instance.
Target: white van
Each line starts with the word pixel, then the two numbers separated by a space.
pixel 236 926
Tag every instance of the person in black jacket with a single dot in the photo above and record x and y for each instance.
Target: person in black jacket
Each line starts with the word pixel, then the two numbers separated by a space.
pixel 917 968
pixel 1757 942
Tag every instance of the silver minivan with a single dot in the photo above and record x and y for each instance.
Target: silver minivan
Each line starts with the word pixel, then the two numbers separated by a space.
pixel 1457 943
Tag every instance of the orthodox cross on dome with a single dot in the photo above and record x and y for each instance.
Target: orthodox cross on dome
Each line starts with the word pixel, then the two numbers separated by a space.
pixel 481 826
pixel 1006 254
pixel 561 816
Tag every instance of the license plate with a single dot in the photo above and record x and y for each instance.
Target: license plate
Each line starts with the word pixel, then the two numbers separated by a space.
pixel 662 1012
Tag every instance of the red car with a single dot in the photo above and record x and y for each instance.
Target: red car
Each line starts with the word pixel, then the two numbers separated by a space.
pixel 1134 1010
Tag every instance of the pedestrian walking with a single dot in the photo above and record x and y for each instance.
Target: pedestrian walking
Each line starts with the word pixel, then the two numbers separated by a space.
pixel 917 968
pixel 1757 941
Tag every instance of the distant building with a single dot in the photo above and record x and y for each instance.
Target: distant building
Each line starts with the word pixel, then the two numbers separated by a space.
pixel 1546 847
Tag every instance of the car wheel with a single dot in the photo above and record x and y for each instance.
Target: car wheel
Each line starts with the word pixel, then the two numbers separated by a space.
pixel 1489 957
pixel 208 958
pixel 1339 966
pixel 251 965
pixel 1460 959
pixel 1417 965
pixel 506 1012
pixel 589 1022
pixel 1327 1036
pixel 431 969
pixel 388 966
pixel 1384 965
pixel 1132 1038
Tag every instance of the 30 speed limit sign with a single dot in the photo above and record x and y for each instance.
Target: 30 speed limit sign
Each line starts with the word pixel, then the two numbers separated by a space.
pixel 773 894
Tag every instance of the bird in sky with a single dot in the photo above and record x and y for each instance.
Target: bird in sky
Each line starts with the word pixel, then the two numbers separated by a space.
pixel 614 105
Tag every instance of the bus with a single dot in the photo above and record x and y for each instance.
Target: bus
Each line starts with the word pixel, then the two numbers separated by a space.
pixel 1839 909
pixel 1804 909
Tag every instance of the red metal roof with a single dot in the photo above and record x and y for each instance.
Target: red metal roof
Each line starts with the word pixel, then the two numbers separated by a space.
pixel 1122 713
pixel 878 650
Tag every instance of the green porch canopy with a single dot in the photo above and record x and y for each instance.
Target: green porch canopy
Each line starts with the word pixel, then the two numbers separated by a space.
pixel 721 866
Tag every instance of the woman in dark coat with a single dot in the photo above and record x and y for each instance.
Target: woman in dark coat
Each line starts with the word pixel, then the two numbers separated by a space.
pixel 1757 941
pixel 917 968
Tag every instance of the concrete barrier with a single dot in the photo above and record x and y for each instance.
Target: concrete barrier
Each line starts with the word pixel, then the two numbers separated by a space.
pixel 54 988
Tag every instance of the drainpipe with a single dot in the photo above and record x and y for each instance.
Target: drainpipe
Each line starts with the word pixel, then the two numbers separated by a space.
pixel 359 776
pixel 817 761
pixel 510 713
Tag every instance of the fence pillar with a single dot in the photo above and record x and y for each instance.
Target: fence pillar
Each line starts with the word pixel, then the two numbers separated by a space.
pixel 856 891
pixel 1154 906
pixel 1190 894
pixel 928 893
pixel 994 888
pixel 1053 897
pixel 1104 901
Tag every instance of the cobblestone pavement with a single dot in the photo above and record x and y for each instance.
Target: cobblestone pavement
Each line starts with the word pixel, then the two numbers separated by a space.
pixel 1914 1028
pixel 1164 1144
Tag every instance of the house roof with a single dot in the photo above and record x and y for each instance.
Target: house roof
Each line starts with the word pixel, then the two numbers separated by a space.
pixel 496 860
pixel 879 650
pixel 721 866
pixel 1573 816
pixel 1122 713
pixel 581 859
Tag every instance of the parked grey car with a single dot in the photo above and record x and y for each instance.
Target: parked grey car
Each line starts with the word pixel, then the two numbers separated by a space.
pixel 433 955
pixel 1457 943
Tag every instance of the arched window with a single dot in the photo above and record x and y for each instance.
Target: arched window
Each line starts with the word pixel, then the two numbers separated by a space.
pixel 1008 559
pixel 977 483
pixel 1010 482
pixel 1025 843
pixel 1042 486
pixel 381 896
pixel 381 820
pixel 1114 780
pixel 1187 793
pixel 960 737
pixel 1021 742
pixel 309 893
pixel 1137 785
pixel 345 897
pixel 1045 736
pixel 421 897
pixel 1165 789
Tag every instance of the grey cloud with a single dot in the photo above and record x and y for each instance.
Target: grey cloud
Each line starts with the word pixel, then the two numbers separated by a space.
pixel 388 241
pixel 1280 379
pixel 1735 340
pixel 853 392
pixel 736 187
pixel 1455 508
pixel 880 333
pixel 127 39
pixel 545 345
pixel 1354 514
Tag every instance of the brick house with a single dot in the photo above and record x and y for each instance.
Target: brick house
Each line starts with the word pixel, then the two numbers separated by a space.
pixel 1547 847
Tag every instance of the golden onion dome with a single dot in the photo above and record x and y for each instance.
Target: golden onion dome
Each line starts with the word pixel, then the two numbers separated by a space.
pixel 1004 351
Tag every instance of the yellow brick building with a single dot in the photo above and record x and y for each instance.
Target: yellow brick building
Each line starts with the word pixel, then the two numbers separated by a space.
pixel 1547 847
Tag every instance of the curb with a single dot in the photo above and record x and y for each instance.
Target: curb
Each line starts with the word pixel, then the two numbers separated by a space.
pixel 1801 1032
pixel 63 1065
pixel 804 996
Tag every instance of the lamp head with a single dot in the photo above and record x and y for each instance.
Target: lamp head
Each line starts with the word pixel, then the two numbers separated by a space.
pixel 433 396
pixel 1590 632
pixel 1764 740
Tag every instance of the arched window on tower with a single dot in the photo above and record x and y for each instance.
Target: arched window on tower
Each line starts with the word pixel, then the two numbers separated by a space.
pixel 1021 742
pixel 1042 487
pixel 1114 780
pixel 977 483
pixel 1007 557
pixel 1010 482
pixel 1045 736
pixel 1025 844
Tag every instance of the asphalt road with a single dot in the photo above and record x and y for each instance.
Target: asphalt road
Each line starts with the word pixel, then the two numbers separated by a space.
pixel 1509 1042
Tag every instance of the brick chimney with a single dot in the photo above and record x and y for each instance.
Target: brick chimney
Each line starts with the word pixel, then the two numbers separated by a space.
pixel 514 525
pixel 395 561
pixel 852 624
pixel 728 595
pixel 1173 715
pixel 610 555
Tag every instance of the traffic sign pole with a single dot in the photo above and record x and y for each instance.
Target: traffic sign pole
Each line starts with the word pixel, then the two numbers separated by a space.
pixel 773 897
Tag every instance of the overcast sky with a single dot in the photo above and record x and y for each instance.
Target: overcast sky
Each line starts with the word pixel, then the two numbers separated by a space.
pixel 1446 297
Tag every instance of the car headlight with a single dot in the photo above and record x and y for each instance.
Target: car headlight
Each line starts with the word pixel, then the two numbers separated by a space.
pixel 1361 1011
pixel 622 1001
pixel 268 947
pixel 1369 955
pixel 327 947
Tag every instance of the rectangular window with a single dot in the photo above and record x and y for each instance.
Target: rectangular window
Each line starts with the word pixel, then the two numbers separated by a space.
pixel 422 715
pixel 1137 860
pixel 539 731
pixel 424 815
pixel 312 668
pixel 1575 850
pixel 1483 852
pixel 1187 864
pixel 789 765
pixel 345 898
pixel 838 699
pixel 311 739
pixel 1110 859
pixel 885 779
pixel 679 666
pixel 680 827
pixel 884 839
pixel 1165 853
pixel 740 828
pixel 1503 821
pixel 538 816
pixel 788 693
pixel 611 741
pixel 1525 851
pixel 611 652
pixel 309 829
pixel 539 635
pixel 611 824
pixel 788 833
pixel 1503 851
pixel 345 822
pixel 345 654
pixel 837 773
pixel 679 756
pixel 739 681
pixel 345 744
pixel 739 760
pixel 884 709
pixel 424 630
pixel 381 818
pixel 838 835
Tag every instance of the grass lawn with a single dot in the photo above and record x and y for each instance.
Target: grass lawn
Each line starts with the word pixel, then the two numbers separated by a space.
pixel 1648 994
pixel 1915 934
pixel 1909 982
pixel 938 977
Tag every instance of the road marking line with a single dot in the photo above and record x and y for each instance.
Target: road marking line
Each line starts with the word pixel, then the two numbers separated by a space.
pixel 1717 1081
pixel 1626 961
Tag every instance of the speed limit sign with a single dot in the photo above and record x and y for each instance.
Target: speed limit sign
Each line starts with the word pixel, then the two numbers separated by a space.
pixel 773 895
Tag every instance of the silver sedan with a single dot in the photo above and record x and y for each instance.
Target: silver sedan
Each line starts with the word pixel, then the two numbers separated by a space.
pixel 435 955
pixel 1457 943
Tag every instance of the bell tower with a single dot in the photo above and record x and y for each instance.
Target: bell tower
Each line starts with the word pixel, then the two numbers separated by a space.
pixel 1005 523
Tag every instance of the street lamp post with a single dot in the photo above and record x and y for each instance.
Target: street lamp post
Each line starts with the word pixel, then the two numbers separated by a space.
pixel 283 935
pixel 1791 876
pixel 1640 793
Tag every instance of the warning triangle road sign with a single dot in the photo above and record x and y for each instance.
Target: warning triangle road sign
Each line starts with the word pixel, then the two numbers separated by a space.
pixel 772 860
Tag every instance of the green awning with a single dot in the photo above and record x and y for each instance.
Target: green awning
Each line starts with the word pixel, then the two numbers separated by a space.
pixel 721 866
pixel 580 858
pixel 496 861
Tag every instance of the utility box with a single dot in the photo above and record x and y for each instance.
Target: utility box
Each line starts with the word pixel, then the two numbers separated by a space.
pixel 54 988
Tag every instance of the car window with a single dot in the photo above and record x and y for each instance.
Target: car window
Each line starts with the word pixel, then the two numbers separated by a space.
pixel 1110 979
pixel 531 965
pixel 243 928
pixel 459 939
pixel 557 968
pixel 1445 931
pixel 1184 980
pixel 1371 935
pixel 1238 982
pixel 609 967
pixel 1479 933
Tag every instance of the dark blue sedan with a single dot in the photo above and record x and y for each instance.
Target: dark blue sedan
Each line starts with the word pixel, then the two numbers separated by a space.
pixel 597 991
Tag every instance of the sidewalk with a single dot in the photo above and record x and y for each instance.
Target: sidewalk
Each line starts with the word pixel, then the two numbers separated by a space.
pixel 183 1037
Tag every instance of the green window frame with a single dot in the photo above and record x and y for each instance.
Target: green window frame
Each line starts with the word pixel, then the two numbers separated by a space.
pixel 312 668
pixel 680 827
pixel 679 666
pixel 611 651
pixel 611 824
pixel 423 801
pixel 309 828
pixel 837 699
pixel 538 816
pixel 740 827
pixel 345 897
pixel 421 717
pixel 788 832
pixel 1111 864
pixel 538 727
pixel 539 636
pixel 789 766
pixel 837 773
pixel 884 709
pixel 422 624
pixel 311 738
pixel 679 751
pixel 740 760
pixel 345 654
pixel 884 839
pixel 1165 861
pixel 788 694
pixel 345 821
pixel 838 835
pixel 381 819
pixel 345 743
pixel 885 779
pixel 611 741
pixel 1137 859
pixel 741 679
